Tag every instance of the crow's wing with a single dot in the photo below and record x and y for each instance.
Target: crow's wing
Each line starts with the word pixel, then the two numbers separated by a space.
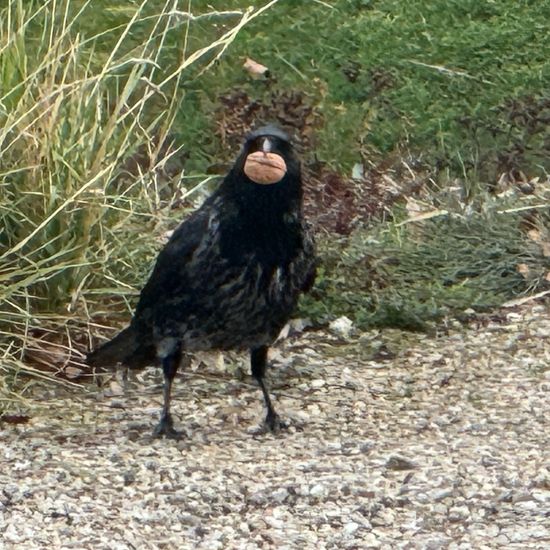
pixel 134 346
pixel 310 259
pixel 175 266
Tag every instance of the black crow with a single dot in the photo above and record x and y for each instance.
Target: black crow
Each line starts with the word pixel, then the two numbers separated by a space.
pixel 230 276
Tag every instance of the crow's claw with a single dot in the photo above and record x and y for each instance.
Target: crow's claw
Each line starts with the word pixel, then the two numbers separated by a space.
pixel 166 428
pixel 274 423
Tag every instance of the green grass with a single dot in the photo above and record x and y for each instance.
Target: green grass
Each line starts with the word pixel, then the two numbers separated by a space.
pixel 461 84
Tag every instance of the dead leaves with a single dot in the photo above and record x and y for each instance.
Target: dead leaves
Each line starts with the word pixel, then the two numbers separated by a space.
pixel 542 238
pixel 255 70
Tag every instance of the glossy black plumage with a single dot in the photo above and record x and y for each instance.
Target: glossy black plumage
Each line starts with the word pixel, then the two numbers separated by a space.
pixel 229 277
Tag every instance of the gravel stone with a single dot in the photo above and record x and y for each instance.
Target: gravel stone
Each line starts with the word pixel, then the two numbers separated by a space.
pixel 442 444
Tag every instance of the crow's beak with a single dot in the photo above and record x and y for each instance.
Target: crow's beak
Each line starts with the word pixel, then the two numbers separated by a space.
pixel 266 146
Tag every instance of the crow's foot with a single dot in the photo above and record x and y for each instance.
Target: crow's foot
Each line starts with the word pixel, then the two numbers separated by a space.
pixel 274 424
pixel 166 428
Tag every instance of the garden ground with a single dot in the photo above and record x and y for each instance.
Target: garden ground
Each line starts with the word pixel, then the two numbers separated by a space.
pixel 397 440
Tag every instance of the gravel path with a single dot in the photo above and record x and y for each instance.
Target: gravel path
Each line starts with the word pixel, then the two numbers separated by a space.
pixel 397 441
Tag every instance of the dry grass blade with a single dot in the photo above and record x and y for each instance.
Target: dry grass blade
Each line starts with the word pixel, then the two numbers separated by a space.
pixel 70 120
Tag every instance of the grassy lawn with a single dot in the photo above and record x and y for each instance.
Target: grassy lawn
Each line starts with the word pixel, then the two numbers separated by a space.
pixel 460 84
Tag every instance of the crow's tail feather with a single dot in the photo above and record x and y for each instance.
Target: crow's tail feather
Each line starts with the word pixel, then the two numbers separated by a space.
pixel 124 348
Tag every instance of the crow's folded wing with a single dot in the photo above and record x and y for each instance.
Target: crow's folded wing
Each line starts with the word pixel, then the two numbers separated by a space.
pixel 176 266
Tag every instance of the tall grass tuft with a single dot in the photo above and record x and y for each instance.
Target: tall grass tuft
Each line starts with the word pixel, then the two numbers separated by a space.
pixel 70 119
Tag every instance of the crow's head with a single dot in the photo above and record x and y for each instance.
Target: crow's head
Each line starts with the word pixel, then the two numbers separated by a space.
pixel 266 175
pixel 266 150
pixel 267 157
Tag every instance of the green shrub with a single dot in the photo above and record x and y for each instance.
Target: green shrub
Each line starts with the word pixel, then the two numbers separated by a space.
pixel 411 274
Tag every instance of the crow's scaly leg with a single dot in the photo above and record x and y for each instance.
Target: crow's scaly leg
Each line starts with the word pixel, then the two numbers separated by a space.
pixel 258 365
pixel 170 365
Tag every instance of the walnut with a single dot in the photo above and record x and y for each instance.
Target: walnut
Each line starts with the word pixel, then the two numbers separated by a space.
pixel 265 168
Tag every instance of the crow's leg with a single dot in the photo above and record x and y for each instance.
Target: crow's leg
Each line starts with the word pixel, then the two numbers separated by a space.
pixel 170 365
pixel 258 365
